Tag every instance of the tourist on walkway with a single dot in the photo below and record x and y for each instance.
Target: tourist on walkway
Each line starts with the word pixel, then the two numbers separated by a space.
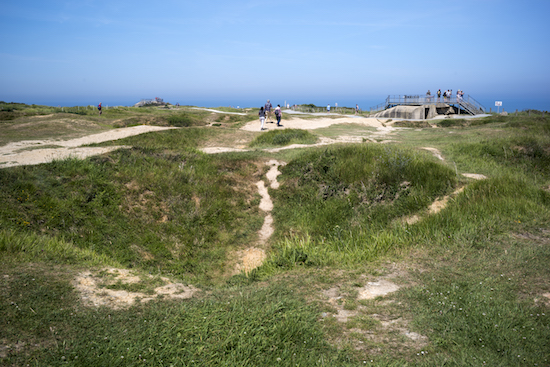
pixel 328 108
pixel 268 108
pixel 262 117
pixel 356 109
pixel 278 114
pixel 99 108
pixel 439 95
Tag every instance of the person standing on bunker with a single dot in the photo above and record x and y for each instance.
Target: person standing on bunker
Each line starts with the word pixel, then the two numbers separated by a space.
pixel 439 95
pixel 262 117
pixel 278 114
pixel 268 108
pixel 99 108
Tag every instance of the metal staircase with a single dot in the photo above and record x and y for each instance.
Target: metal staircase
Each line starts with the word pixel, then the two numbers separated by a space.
pixel 471 106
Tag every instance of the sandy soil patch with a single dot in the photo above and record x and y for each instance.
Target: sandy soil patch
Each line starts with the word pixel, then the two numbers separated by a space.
pixel 254 256
pixel 377 289
pixel 391 330
pixel 265 204
pixel 318 123
pixel 30 152
pixel 475 176
pixel 214 150
pixel 437 206
pixel 250 259
pixel 440 204
pixel 382 129
pixel 93 291
pixel 435 152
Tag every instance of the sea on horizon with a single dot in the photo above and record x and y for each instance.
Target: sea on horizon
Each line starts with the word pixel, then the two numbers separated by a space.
pixel 508 104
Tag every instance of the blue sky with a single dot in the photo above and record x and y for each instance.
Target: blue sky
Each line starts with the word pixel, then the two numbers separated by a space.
pixel 214 53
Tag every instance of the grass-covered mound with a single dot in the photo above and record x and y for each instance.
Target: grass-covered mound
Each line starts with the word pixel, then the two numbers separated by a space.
pixel 339 198
pixel 473 276
pixel 185 119
pixel 277 138
pixel 176 210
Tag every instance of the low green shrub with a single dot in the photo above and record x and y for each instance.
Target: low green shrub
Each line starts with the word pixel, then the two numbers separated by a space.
pixel 284 137
pixel 340 202
pixel 184 120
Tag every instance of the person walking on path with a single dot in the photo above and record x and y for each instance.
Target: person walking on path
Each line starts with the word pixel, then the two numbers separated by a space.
pixel 328 108
pixel 262 117
pixel 268 108
pixel 278 114
pixel 356 109
pixel 99 108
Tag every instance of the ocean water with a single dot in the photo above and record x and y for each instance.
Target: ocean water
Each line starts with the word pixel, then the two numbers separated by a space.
pixel 509 103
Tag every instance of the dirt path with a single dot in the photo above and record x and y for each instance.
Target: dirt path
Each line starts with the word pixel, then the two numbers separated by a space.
pixel 254 256
pixel 383 129
pixel 31 152
pixel 318 123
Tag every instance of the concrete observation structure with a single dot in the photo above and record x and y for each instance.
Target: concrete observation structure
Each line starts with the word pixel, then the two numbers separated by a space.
pixel 144 102
pixel 421 108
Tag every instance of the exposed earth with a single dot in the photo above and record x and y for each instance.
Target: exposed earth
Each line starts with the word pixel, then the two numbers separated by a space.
pixel 94 288
pixel 30 152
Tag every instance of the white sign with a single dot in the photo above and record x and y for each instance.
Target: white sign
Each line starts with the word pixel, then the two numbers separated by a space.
pixel 498 103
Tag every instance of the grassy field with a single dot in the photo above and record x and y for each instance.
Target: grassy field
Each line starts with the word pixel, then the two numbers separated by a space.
pixel 473 277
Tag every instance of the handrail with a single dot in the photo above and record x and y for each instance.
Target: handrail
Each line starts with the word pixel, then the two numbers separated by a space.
pixel 467 102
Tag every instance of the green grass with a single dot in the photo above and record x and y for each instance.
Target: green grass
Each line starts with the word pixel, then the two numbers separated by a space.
pixel 284 137
pixel 479 319
pixel 173 206
pixel 234 119
pixel 245 327
pixel 342 196
pixel 473 276
pixel 184 120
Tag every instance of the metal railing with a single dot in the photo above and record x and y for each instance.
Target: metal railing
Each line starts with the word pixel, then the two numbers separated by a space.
pixel 467 103
pixel 333 109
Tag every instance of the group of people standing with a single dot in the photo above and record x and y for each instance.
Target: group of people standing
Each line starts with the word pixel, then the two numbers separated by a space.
pixel 447 95
pixel 266 111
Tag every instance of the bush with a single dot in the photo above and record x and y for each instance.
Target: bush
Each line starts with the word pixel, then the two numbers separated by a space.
pixel 284 137
pixel 341 192
pixel 184 120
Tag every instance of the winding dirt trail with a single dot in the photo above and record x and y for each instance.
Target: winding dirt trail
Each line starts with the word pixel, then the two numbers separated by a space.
pixel 31 152
pixel 254 256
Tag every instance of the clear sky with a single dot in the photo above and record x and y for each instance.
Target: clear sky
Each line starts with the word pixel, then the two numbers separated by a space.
pixel 214 53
